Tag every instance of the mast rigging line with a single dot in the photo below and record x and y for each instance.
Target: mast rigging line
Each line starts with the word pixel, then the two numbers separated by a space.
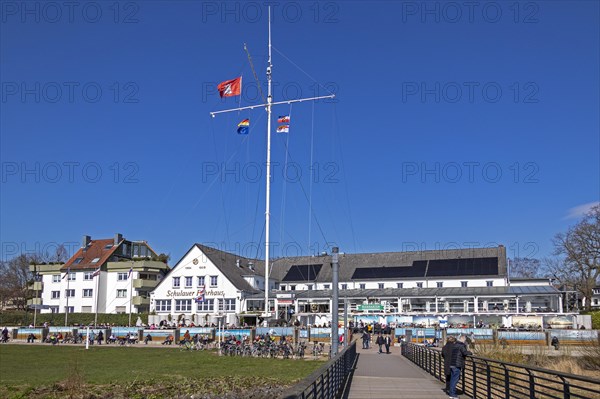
pixel 254 73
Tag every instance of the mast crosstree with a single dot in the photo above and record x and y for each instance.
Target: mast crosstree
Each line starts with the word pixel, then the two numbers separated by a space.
pixel 268 106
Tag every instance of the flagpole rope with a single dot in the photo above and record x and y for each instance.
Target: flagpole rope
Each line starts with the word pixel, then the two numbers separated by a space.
pixel 336 130
pixel 310 177
pixel 302 70
pixel 284 191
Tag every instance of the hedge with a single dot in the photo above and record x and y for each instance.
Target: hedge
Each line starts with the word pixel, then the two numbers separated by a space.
pixel 23 318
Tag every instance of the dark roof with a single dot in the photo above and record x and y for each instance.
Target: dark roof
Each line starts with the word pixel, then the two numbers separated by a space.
pixel 393 265
pixel 428 292
pixel 227 263
pixel 454 263
pixel 82 260
pixel 302 272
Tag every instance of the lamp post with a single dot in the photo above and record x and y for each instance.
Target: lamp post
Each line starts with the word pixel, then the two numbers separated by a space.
pixel 334 302
pixel 35 305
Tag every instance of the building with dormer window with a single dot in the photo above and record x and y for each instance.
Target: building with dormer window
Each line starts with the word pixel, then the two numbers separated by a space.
pixel 113 275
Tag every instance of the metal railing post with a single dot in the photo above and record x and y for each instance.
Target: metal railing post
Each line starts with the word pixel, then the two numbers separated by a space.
pixel 488 375
pixel 506 382
pixel 531 384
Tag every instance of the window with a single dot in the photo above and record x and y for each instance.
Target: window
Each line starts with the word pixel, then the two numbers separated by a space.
pixel 380 286
pixel 362 286
pixel 87 292
pixel 489 283
pixel 214 281
pixel 108 246
pixel 292 288
pixel 77 261
pixel 188 281
pixel 121 293
pixel 88 276
pixel 463 284
pixel 440 284
pixel 69 293
pixel 121 276
pixel 220 304
pixel 120 309
pixel 207 305
pixel 201 282
pixel 229 304
pixel 344 286
pixel 283 288
pixel 419 285
pixel 54 309
pixel 183 305
pixel 56 278
pixel 163 305
pixel 70 309
pixel 71 277
pixel 95 260
pixel 309 287
pixel 399 285
pixel 325 286
pixel 86 309
pixel 176 282
pixel 55 294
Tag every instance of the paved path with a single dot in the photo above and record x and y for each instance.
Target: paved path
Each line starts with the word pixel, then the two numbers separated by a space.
pixel 382 376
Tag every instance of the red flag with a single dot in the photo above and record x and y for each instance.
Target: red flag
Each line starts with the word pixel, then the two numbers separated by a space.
pixel 230 88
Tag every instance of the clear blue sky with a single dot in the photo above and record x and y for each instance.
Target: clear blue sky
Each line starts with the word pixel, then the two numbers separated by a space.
pixel 453 126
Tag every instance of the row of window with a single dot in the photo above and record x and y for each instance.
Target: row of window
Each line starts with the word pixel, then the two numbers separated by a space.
pixel 362 286
pixel 200 281
pixel 88 276
pixel 207 305
pixel 87 293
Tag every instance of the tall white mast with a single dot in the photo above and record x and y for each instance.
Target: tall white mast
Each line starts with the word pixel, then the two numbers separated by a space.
pixel 268 106
pixel 268 193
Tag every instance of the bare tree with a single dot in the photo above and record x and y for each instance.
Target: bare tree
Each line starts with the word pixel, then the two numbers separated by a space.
pixel 15 279
pixel 579 250
pixel 526 268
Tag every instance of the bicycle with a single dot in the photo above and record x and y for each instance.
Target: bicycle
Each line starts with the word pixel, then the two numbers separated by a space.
pixel 185 346
pixel 318 348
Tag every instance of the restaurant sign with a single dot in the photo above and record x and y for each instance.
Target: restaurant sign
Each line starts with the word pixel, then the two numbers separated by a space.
pixel 193 293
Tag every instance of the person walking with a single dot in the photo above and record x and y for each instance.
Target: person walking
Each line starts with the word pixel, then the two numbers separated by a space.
pixel 454 354
pixel 380 341
pixel 365 339
pixel 387 341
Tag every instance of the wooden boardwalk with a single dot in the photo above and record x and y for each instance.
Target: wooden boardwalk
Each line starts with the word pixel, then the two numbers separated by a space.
pixel 383 376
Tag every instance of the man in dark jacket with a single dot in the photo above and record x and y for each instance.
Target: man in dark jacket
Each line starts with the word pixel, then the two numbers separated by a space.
pixel 380 342
pixel 365 339
pixel 454 354
pixel 447 355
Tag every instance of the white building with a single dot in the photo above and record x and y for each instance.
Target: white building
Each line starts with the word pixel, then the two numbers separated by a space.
pixel 105 276
pixel 461 282
pixel 223 280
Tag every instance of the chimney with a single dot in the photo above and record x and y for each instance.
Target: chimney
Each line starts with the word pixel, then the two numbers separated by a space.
pixel 118 238
pixel 86 241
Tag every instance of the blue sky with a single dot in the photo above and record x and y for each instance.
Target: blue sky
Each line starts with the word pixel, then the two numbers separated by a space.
pixel 453 125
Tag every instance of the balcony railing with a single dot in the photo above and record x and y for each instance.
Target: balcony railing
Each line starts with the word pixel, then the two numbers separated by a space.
pixel 140 301
pixel 34 301
pixel 144 283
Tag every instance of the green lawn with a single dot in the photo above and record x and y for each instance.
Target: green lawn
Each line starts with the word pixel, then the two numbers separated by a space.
pixel 36 370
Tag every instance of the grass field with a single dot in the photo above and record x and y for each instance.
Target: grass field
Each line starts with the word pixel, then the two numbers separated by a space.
pixel 40 371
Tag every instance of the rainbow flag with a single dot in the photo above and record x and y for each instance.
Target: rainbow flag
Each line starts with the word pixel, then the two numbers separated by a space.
pixel 244 126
